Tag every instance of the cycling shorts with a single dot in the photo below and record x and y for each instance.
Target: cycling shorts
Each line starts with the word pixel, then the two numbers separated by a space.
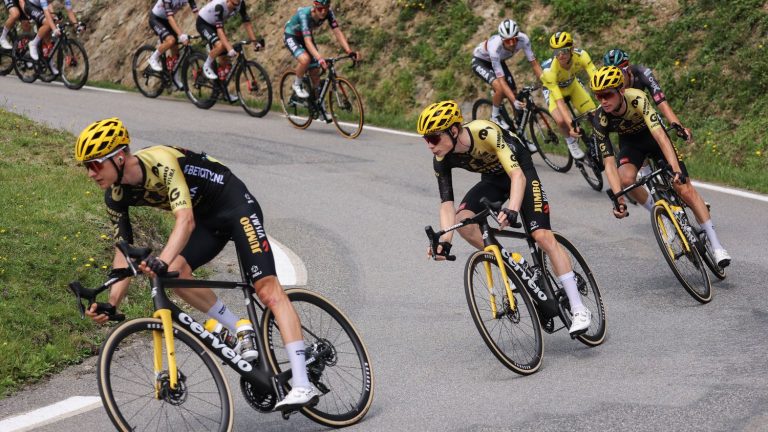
pixel 635 148
pixel 581 102
pixel 294 44
pixel 484 70
pixel 11 4
pixel 34 13
pixel 161 27
pixel 207 31
pixel 241 220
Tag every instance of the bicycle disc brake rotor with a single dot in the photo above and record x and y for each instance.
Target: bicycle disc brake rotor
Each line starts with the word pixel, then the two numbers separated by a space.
pixel 325 354
pixel 512 315
pixel 175 396
pixel 260 401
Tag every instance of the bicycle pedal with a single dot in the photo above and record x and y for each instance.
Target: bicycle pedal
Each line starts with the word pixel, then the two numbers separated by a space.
pixel 574 335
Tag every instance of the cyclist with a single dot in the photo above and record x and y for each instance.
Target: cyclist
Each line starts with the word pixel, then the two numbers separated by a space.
pixel 488 62
pixel 560 81
pixel 210 25
pixel 163 23
pixel 628 112
pixel 299 41
pixel 507 173
pixel 210 206
pixel 14 14
pixel 41 12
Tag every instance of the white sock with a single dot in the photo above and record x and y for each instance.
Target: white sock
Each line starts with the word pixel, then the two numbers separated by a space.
pixel 572 291
pixel 710 230
pixel 155 55
pixel 570 140
pixel 220 312
pixel 495 111
pixel 297 81
pixel 648 204
pixel 5 33
pixel 209 62
pixel 36 41
pixel 298 360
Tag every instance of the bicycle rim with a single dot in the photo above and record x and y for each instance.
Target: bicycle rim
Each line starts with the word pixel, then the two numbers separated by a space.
pixel 346 108
pixel 199 89
pixel 588 289
pixel 482 109
pixel 687 266
pixel 73 64
pixel 514 337
pixel 591 173
pixel 296 110
pixel 254 89
pixel 547 138
pixel 6 61
pixel 343 372
pixel 127 383
pixel 149 82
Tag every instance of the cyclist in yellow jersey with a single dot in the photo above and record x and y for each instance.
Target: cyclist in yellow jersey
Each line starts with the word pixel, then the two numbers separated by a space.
pixel 211 206
pixel 629 113
pixel 507 173
pixel 559 78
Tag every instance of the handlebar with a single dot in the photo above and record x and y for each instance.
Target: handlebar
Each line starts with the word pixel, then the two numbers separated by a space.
pixel 663 168
pixel 238 46
pixel 679 131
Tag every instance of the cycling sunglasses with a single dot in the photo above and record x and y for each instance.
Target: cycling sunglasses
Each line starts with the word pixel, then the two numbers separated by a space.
pixel 434 138
pixel 320 7
pixel 98 164
pixel 559 51
pixel 603 95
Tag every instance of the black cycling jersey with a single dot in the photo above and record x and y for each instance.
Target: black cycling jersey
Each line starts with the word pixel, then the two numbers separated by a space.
pixel 641 77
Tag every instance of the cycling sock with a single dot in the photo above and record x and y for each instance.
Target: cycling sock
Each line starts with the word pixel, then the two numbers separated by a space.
pixel 222 314
pixel 572 291
pixel 297 358
pixel 36 41
pixel 5 33
pixel 495 111
pixel 297 81
pixel 709 228
pixel 648 204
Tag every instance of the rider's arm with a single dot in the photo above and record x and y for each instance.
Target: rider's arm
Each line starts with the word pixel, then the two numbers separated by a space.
pixel 517 189
pixel 667 149
pixel 182 230
pixel 447 218
pixel 48 15
pixel 445 187
pixel 220 18
pixel 342 40
pixel 603 143
pixel 309 43
pixel 565 113
pixel 249 30
pixel 536 68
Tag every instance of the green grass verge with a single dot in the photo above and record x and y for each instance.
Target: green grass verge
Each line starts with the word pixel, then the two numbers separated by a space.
pixel 53 230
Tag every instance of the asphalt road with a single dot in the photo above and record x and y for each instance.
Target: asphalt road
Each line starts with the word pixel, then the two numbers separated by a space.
pixel 354 211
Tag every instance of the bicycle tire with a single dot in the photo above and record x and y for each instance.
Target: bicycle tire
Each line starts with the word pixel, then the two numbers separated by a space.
pixel 131 343
pixel 296 110
pixel 705 247
pixel 520 346
pixel 199 89
pixel 548 141
pixel 72 57
pixel 150 83
pixel 23 64
pixel 255 92
pixel 482 109
pixel 686 266
pixel 347 368
pixel 590 169
pixel 345 104
pixel 6 58
pixel 588 288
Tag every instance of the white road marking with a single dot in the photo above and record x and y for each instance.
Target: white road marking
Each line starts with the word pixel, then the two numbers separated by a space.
pixel 730 191
pixel 50 414
pixel 290 268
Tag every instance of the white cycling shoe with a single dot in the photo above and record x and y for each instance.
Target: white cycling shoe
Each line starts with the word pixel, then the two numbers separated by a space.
pixel 500 121
pixel 5 44
pixel 154 64
pixel 531 146
pixel 209 72
pixel 581 321
pixel 722 257
pixel 299 90
pixel 298 397
pixel 576 151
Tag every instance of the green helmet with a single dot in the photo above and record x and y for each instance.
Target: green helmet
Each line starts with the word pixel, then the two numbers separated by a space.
pixel 616 57
pixel 324 3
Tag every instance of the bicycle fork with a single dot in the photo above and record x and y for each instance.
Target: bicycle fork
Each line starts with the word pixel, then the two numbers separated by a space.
pixel 673 211
pixel 489 277
pixel 157 337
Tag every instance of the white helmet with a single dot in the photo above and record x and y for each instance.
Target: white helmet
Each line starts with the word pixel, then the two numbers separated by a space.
pixel 508 29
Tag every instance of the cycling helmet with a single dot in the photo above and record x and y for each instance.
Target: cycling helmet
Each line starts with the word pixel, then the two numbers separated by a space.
pixel 616 57
pixel 438 117
pixel 561 40
pixel 101 140
pixel 508 29
pixel 607 77
pixel 324 3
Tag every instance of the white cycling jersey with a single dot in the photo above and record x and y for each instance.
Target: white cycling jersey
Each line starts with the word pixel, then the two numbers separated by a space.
pixel 492 50
pixel 216 12
pixel 165 8
pixel 42 4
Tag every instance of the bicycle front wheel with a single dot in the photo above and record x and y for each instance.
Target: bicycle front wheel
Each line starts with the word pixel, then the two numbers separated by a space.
pixel 136 399
pixel 482 109
pixel 23 64
pixel 342 367
pixel 513 336
pixel 149 82
pixel 199 89
pixel 296 109
pixel 686 265
pixel 73 64
pixel 254 89
pixel 547 139
pixel 346 108
pixel 588 289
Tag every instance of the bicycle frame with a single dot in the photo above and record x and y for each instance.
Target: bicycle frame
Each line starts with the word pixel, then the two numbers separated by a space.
pixel 316 102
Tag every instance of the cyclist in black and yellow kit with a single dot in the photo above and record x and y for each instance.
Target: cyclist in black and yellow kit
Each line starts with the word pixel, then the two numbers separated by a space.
pixel 629 113
pixel 211 206
pixel 507 172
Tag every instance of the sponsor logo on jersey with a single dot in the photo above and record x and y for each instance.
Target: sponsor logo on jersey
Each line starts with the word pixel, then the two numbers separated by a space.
pixel 251 235
pixel 538 203
pixel 204 173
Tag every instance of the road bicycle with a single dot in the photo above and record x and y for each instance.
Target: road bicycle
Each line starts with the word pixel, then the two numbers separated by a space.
pixel 511 303
pixel 683 243
pixel 163 373
pixel 535 125
pixel 345 107
pixel 591 165
pixel 251 86
pixel 152 83
pixel 70 58
pixel 7 58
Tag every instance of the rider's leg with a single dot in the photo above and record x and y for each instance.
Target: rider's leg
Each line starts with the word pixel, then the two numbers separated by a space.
pixel 691 197
pixel 470 233
pixel 42 33
pixel 302 64
pixel 13 16
pixel 628 175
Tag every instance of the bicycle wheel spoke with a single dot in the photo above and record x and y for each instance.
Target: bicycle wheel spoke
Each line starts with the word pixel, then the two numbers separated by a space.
pixel 346 108
pixel 254 89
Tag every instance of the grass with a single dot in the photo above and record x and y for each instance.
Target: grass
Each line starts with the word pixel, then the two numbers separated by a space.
pixel 53 229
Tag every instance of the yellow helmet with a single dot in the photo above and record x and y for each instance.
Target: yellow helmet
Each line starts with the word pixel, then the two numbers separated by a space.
pixel 438 117
pixel 101 139
pixel 607 77
pixel 561 40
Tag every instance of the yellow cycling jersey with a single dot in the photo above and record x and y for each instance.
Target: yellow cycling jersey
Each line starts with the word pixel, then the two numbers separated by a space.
pixel 555 77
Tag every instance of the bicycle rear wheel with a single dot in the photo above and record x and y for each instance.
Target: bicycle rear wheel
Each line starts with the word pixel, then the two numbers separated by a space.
pixel 686 265
pixel 254 89
pixel 199 89
pixel 346 108
pixel 127 382
pixel 482 109
pixel 6 56
pixel 23 64
pixel 296 109
pixel 513 336
pixel 547 138
pixel 73 64
pixel 342 369
pixel 149 82
pixel 590 292
pixel 590 168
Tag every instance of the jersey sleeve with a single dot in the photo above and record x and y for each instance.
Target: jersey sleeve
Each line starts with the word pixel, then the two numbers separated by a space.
pixel 117 209
pixel 504 152
pixel 219 14
pixel 650 116
pixel 526 42
pixel 68 4
pixel 444 179
pixel 332 21
pixel 600 132
pixel 494 52
pixel 192 5
pixel 649 81
pixel 244 12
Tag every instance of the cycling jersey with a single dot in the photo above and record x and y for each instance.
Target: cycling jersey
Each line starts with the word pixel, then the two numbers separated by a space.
pixel 493 50
pixel 44 3
pixel 216 13
pixel 302 24
pixel 641 77
pixel 555 77
pixel 165 8
pixel 639 117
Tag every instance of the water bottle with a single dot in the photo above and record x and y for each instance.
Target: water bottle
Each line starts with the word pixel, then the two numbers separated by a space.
pixel 246 338
pixel 217 329
pixel 47 48
pixel 170 62
pixel 516 257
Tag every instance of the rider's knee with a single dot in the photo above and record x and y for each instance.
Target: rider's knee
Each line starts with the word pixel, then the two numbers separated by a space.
pixel 304 59
pixel 180 264
pixel 269 291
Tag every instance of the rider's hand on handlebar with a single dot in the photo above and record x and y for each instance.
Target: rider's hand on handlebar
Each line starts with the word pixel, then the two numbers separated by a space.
pixel 232 53
pixel 506 217
pixel 154 266
pixel 519 105
pixel 575 132
pixel 97 314
pixel 184 38
pixel 620 211
pixel 356 56
pixel 80 27
pixel 443 251
pixel 679 178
